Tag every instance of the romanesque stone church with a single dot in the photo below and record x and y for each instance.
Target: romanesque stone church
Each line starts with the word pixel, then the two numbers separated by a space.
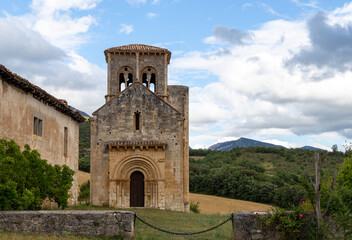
pixel 139 137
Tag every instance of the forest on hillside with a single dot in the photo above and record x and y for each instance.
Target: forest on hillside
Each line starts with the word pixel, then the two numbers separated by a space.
pixel 84 146
pixel 275 176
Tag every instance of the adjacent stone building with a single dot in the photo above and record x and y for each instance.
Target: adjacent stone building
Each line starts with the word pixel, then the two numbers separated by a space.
pixel 29 115
pixel 139 137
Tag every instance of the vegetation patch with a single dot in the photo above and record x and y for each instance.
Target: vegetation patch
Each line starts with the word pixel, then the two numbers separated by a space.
pixel 275 176
pixel 26 180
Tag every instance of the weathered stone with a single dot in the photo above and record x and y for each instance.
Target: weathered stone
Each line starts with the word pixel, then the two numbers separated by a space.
pixel 140 129
pixel 20 104
pixel 247 225
pixel 81 223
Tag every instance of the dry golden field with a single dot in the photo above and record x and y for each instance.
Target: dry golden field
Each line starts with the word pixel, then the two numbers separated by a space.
pixel 209 204
pixel 212 204
pixel 83 177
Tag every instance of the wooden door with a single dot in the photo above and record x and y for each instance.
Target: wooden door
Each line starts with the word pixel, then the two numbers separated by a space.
pixel 137 189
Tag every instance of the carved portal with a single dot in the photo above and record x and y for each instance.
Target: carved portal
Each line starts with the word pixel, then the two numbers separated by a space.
pixel 125 161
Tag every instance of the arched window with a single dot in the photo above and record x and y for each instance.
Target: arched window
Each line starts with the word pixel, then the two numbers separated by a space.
pixel 149 78
pixel 125 77
pixel 152 82
pixel 122 84
pixel 144 80
pixel 129 79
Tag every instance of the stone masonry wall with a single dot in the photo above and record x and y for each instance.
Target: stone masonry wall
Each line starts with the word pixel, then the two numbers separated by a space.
pixel 247 225
pixel 159 122
pixel 81 223
pixel 18 110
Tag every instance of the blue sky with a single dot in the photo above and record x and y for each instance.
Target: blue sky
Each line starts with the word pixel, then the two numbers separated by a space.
pixel 276 71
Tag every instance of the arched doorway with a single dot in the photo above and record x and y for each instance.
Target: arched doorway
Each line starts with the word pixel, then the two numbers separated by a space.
pixel 137 189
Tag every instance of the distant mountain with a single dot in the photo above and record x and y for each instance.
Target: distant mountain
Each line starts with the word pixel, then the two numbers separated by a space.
pixel 81 112
pixel 312 148
pixel 242 142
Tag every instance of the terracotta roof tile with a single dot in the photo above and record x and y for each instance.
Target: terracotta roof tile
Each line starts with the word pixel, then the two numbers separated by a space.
pixel 136 143
pixel 138 48
pixel 38 93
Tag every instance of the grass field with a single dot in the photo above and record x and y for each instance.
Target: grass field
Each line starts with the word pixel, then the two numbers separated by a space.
pixel 83 177
pixel 168 220
pixel 213 210
pixel 209 204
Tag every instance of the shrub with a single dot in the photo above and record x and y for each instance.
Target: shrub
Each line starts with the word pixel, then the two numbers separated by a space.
pixel 26 179
pixel 291 225
pixel 289 195
pixel 84 192
pixel 194 207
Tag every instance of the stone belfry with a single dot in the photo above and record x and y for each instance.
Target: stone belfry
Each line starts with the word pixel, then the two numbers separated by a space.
pixel 139 137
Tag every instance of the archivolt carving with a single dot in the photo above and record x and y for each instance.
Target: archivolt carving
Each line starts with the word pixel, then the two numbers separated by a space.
pixel 125 167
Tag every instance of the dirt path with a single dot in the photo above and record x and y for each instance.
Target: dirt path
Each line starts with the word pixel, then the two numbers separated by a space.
pixel 208 204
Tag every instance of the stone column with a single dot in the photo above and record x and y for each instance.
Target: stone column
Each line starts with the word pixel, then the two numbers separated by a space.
pixel 137 67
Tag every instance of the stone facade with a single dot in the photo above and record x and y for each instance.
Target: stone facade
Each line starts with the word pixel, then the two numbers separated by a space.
pixel 247 225
pixel 142 129
pixel 31 116
pixel 81 223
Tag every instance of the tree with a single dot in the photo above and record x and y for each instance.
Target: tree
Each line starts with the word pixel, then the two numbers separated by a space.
pixel 334 148
pixel 26 179
pixel 84 192
pixel 318 162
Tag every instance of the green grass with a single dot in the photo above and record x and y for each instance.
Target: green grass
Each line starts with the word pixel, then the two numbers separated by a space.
pixel 168 220
pixel 181 222
pixel 18 236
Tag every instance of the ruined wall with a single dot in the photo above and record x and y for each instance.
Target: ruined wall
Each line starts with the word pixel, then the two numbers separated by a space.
pixel 159 122
pixel 81 223
pixel 17 112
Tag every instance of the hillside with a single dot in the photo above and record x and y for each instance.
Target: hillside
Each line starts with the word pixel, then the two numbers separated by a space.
pixel 84 114
pixel 275 176
pixel 270 175
pixel 84 146
pixel 208 204
pixel 241 142
pixel 246 142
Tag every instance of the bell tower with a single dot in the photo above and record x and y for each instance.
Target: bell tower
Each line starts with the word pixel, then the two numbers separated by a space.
pixel 132 63
pixel 139 137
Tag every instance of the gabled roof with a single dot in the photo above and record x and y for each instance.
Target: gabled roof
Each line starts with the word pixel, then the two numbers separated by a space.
pixel 38 93
pixel 138 48
pixel 126 90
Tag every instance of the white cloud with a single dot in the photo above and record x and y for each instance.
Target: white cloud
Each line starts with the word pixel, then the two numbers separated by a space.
pixel 48 7
pixel 312 4
pixel 51 19
pixel 270 10
pixel 126 29
pixel 136 2
pixel 282 143
pixel 42 49
pixel 25 43
pixel 229 35
pixel 257 96
pixel 246 5
pixel 152 15
pixel 154 2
